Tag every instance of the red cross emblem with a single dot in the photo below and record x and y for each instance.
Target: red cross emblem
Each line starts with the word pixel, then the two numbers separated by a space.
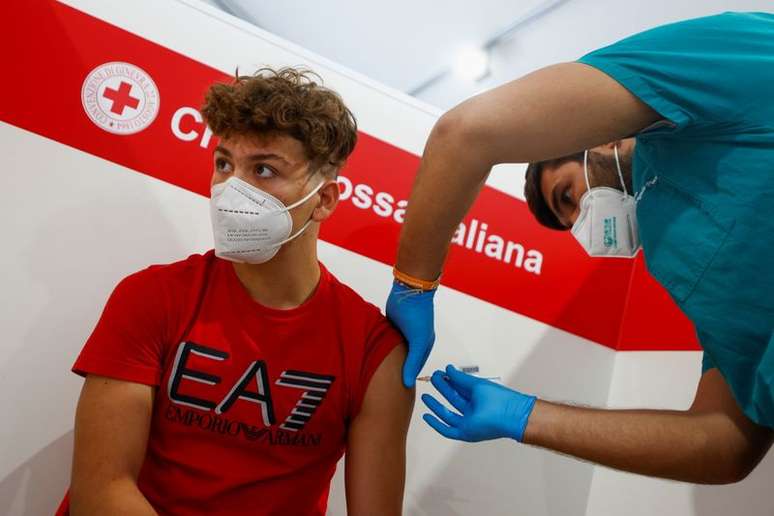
pixel 121 98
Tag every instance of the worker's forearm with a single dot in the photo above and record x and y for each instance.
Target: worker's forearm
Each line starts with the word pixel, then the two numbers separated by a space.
pixel 667 444
pixel 449 179
pixel 118 498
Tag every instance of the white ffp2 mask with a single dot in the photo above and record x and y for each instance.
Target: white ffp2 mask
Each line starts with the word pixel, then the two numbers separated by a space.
pixel 607 222
pixel 250 225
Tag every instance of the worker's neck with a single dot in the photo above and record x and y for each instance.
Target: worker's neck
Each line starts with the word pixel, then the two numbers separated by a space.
pixel 287 280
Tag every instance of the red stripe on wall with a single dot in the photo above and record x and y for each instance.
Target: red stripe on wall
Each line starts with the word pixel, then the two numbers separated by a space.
pixel 535 272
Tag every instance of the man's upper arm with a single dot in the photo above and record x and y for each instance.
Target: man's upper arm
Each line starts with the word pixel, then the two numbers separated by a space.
pixel 552 112
pixel 376 447
pixel 112 422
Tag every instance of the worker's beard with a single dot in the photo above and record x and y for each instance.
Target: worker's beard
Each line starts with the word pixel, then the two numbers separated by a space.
pixel 603 172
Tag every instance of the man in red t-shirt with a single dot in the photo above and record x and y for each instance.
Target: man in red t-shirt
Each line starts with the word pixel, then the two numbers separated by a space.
pixel 232 382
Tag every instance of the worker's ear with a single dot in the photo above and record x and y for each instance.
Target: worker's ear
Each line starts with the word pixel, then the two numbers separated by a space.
pixel 625 146
pixel 607 148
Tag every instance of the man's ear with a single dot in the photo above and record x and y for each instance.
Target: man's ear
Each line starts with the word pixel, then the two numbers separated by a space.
pixel 329 199
pixel 607 148
pixel 625 146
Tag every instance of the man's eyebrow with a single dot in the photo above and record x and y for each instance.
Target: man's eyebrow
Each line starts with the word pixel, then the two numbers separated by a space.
pixel 253 157
pixel 262 156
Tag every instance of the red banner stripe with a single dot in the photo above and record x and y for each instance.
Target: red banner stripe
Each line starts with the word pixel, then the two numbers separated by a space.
pixel 500 255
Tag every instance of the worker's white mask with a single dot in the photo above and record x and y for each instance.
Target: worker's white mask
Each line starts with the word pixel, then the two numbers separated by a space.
pixel 249 224
pixel 607 222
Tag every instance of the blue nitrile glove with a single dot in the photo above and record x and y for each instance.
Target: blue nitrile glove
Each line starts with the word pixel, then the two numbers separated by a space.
pixel 411 311
pixel 488 410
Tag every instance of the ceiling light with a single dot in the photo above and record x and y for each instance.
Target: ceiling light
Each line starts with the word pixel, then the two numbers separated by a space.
pixel 471 64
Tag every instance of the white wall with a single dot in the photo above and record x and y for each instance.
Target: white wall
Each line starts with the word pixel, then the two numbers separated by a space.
pixel 92 223
pixel 100 222
pixel 95 222
pixel 666 380
pixel 501 477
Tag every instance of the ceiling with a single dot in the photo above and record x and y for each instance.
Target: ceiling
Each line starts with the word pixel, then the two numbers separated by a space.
pixel 402 43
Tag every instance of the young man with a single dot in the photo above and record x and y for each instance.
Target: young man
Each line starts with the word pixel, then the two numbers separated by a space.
pixel 232 382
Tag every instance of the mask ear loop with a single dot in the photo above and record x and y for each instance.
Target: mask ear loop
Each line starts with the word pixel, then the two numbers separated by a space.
pixel 308 222
pixel 586 171
pixel 306 197
pixel 293 236
pixel 626 194
pixel 620 174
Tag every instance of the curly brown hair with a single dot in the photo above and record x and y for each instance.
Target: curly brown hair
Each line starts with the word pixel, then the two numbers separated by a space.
pixel 287 101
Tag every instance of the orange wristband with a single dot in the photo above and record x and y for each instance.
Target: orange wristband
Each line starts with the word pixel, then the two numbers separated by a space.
pixel 413 282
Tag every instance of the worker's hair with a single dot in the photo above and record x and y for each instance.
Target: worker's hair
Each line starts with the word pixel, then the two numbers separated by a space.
pixel 285 101
pixel 534 195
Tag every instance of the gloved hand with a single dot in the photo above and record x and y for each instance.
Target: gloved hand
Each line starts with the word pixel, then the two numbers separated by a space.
pixel 488 410
pixel 412 312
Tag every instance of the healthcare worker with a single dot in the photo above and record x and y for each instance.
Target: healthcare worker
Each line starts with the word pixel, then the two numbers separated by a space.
pixel 698 97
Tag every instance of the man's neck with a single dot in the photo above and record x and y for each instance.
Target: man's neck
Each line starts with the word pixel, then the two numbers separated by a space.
pixel 287 280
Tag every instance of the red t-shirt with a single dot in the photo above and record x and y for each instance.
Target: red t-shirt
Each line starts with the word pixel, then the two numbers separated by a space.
pixel 253 404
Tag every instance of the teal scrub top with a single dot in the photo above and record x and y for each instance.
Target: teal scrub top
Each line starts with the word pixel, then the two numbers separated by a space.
pixel 705 176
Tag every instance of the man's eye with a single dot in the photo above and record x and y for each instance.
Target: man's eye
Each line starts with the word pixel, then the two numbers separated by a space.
pixel 264 172
pixel 221 165
pixel 566 198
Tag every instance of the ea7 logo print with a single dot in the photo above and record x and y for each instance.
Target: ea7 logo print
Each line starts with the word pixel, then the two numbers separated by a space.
pixel 253 386
pixel 315 387
pixel 120 98
pixel 229 427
